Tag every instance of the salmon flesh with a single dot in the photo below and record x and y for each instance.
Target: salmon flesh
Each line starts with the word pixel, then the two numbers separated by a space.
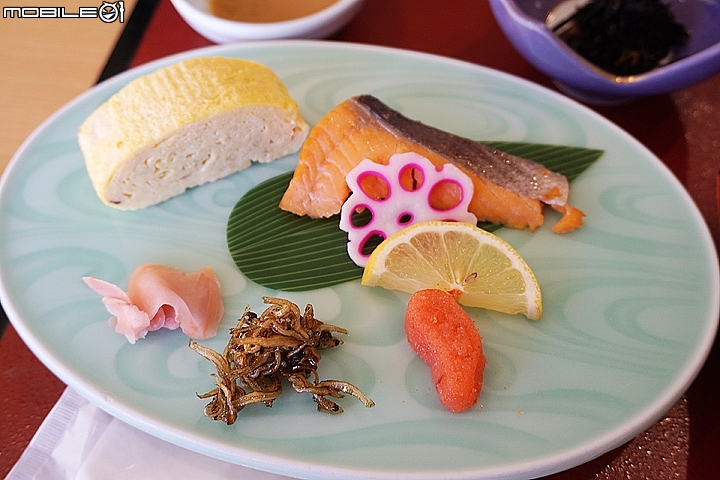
pixel 508 190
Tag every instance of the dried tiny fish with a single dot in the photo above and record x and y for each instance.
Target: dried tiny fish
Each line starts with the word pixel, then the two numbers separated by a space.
pixel 280 343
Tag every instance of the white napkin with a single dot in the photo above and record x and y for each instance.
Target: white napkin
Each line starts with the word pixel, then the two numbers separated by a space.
pixel 79 441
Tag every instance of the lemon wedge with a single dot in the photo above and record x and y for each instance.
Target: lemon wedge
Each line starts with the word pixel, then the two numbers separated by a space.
pixel 478 268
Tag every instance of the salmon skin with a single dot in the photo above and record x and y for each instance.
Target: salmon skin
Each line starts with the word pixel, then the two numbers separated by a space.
pixel 508 190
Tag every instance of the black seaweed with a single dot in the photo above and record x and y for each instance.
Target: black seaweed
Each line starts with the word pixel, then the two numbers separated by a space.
pixel 623 37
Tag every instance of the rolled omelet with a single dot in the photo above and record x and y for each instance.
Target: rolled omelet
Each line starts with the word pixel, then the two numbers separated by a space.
pixel 187 124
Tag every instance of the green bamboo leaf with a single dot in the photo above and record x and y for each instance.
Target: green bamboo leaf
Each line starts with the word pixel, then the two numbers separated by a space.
pixel 282 251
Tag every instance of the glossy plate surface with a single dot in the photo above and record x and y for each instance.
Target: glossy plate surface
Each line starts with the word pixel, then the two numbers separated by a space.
pixel 630 300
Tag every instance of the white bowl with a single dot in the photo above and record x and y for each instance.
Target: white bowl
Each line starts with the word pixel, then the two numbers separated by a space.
pixel 219 30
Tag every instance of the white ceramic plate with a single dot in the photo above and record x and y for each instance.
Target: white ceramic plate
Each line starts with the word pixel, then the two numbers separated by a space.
pixel 630 300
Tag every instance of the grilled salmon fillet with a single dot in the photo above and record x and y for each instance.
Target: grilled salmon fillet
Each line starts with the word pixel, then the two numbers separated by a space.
pixel 508 190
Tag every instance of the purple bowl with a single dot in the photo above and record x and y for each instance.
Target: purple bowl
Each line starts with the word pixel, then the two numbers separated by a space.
pixel 523 21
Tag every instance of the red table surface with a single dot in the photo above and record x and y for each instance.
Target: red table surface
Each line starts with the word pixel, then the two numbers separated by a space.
pixel 682 129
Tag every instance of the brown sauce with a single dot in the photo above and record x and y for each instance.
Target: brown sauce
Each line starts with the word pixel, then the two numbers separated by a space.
pixel 266 11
